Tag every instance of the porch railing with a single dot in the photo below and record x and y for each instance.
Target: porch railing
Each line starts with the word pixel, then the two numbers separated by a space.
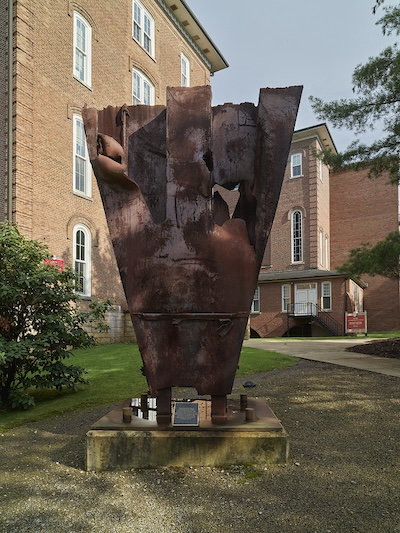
pixel 319 315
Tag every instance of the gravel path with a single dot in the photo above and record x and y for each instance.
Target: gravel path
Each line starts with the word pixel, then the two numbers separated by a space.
pixel 343 474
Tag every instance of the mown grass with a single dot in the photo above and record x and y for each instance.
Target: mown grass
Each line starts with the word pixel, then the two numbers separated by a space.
pixel 114 374
pixel 373 335
pixel 382 334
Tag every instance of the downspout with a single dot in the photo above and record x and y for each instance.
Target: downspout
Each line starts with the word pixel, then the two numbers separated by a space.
pixel 10 112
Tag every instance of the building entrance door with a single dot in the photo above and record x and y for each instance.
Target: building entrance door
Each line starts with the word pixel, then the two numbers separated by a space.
pixel 305 298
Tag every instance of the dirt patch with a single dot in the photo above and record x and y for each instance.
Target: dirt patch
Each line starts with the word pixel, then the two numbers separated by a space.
pixel 387 348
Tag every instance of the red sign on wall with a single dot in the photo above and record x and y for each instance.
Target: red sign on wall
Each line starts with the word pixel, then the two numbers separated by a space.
pixel 356 322
pixel 56 261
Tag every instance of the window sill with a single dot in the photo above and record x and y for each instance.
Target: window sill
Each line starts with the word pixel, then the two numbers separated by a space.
pixel 82 195
pixel 151 56
pixel 85 297
pixel 295 177
pixel 83 83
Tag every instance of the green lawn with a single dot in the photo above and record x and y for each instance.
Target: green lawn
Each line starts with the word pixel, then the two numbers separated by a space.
pixel 114 375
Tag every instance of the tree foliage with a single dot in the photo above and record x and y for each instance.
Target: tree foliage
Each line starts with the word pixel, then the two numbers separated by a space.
pixel 376 85
pixel 40 321
pixel 382 259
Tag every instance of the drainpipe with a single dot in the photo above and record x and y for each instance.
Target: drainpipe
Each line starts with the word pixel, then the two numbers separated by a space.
pixel 10 112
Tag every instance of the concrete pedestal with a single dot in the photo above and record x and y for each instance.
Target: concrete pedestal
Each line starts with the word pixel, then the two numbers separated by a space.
pixel 112 444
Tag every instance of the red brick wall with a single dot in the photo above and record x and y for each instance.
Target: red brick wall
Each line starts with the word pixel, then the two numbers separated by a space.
pixel 271 322
pixel 365 210
pixel 311 195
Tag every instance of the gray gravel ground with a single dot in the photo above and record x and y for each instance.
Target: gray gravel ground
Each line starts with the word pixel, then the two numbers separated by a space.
pixel 343 474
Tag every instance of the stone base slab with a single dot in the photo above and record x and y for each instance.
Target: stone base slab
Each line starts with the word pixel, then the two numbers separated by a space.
pixel 112 444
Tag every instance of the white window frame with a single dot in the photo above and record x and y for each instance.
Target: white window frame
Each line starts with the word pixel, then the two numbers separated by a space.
pixel 82 259
pixel 327 257
pixel 321 247
pixel 142 89
pixel 326 293
pixel 185 71
pixel 82 61
pixel 297 236
pixel 143 27
pixel 81 161
pixel 286 297
pixel 255 304
pixel 296 165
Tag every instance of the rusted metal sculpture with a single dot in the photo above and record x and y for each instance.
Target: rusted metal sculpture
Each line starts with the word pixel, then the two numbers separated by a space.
pixel 189 270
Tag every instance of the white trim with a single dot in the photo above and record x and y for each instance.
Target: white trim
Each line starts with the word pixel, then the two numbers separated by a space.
pixel 298 238
pixel 81 163
pixel 255 304
pixel 143 28
pixel 328 294
pixel 185 71
pixel 286 297
pixel 82 60
pixel 327 255
pixel 295 164
pixel 82 258
pixel 142 89
pixel 321 247
pixel 305 296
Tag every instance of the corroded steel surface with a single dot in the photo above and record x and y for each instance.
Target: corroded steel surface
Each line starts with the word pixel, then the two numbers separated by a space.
pixel 189 270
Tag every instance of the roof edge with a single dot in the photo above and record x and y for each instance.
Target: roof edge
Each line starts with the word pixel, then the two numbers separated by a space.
pixel 319 130
pixel 190 27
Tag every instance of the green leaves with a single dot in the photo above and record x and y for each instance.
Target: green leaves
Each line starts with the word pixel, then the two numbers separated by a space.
pixel 40 321
pixel 376 86
pixel 380 259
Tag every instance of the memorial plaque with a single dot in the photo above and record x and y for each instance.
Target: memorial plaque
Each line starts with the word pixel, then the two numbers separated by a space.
pixel 186 414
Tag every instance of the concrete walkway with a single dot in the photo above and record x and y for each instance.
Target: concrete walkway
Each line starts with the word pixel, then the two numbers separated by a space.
pixel 330 351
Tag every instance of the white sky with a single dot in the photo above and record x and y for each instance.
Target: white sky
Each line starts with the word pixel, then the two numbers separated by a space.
pixel 276 43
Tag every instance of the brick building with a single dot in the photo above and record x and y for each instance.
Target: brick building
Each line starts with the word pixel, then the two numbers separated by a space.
pixel 66 54
pixel 320 217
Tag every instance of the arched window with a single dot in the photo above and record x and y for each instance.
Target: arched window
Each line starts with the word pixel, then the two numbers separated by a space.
pixel 142 89
pixel 297 236
pixel 82 50
pixel 82 259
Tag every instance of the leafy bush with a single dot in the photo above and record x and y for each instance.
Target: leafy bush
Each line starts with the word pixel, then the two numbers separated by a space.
pixel 40 320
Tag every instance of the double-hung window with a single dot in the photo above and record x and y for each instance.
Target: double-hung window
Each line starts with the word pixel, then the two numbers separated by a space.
pixel 185 71
pixel 82 50
pixel 143 27
pixel 255 305
pixel 326 295
pixel 142 89
pixel 296 165
pixel 286 298
pixel 81 164
pixel 297 237
pixel 82 259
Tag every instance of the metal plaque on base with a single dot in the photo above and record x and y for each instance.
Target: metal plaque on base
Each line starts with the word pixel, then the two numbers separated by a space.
pixel 186 414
